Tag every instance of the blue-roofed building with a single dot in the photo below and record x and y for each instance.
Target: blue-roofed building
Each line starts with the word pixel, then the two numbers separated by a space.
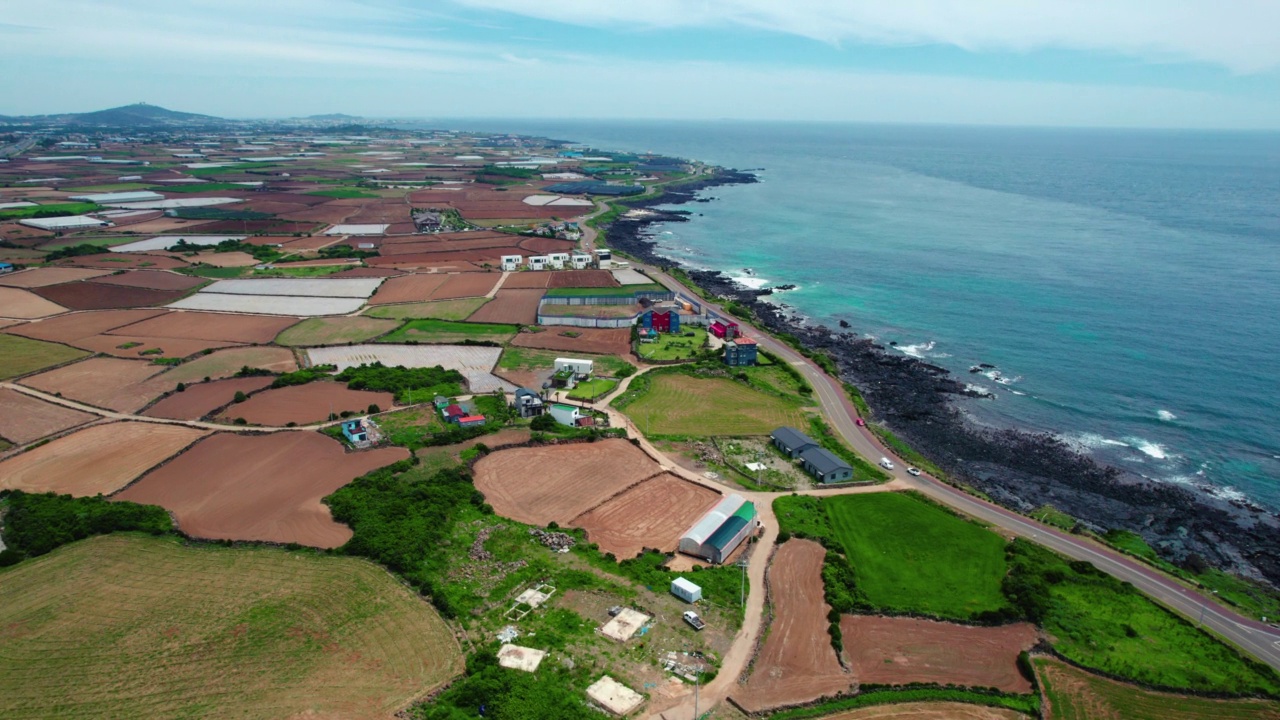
pixel 5 267
pixel 825 466
pixel 791 441
pixel 721 530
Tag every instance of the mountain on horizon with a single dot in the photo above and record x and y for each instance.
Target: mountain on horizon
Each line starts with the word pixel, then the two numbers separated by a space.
pixel 139 114
pixel 333 116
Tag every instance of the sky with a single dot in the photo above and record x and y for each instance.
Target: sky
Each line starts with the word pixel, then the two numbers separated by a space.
pixel 1113 63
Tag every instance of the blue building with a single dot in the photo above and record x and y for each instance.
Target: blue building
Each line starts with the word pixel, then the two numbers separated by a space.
pixel 740 352
pixel 355 431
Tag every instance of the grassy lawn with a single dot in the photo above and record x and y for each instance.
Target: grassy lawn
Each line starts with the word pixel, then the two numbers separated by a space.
pixel 1049 515
pixel 439 310
pixel 407 427
pixel 1077 695
pixel 683 346
pixel 912 556
pixel 334 331
pixel 348 193
pixel 274 629
pixel 20 356
pixel 665 403
pixel 446 331
pixel 514 358
pixel 623 291
pixel 217 273
pixel 594 388
pixel 302 271
pixel 74 208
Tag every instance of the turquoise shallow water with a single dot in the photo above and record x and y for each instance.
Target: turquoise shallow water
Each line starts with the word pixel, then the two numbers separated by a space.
pixel 1125 283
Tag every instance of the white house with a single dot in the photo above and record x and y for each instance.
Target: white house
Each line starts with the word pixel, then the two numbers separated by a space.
pixel 566 414
pixel 580 261
pixel 686 590
pixel 511 263
pixel 575 365
pixel 538 262
pixel 557 260
pixel 604 258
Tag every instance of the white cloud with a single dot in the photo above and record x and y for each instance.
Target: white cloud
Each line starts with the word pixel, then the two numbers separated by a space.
pixel 1237 34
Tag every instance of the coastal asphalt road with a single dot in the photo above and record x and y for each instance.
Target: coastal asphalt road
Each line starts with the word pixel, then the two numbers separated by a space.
pixel 1256 638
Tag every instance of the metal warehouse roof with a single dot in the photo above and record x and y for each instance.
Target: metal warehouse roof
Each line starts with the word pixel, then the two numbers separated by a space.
pixel 685 585
pixel 823 460
pixel 714 518
pixel 792 437
pixel 726 532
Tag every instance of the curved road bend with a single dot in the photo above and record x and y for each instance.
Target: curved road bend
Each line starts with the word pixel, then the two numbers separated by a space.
pixel 1255 637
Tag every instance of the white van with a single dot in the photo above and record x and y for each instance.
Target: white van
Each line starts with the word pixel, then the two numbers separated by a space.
pixel 886 463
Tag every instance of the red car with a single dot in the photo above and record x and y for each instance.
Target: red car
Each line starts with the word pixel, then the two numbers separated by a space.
pixel 861 422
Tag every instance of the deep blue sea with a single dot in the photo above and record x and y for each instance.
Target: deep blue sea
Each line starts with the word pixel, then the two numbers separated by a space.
pixel 1126 284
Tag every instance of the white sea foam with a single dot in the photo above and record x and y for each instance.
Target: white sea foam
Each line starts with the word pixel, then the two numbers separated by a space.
pixel 1017 392
pixel 1149 448
pixel 751 282
pixel 1166 416
pixel 979 390
pixel 916 351
pixel 1084 442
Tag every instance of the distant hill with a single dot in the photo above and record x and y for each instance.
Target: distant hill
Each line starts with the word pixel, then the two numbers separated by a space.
pixel 139 115
pixel 333 116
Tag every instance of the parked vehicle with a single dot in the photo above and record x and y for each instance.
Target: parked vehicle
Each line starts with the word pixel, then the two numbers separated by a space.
pixel 913 471
pixel 861 422
pixel 886 463
pixel 692 618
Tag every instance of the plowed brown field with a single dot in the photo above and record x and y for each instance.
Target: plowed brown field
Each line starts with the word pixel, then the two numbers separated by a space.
pixel 797 663
pixel 517 307
pixel 25 305
pixel 153 279
pixel 589 340
pixel 112 383
pixel 203 398
pixel 69 328
pixel 263 487
pixel 96 460
pixel 209 326
pixel 39 277
pixel 559 482
pixel 526 279
pixel 304 404
pixel 582 279
pixel 466 285
pixel 897 651
pixel 24 418
pixel 100 296
pixel 133 346
pixel 407 288
pixel 225 363
pixel 652 514
pixel 124 261
pixel 928 711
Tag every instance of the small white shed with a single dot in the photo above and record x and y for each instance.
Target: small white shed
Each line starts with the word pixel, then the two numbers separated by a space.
pixel 686 590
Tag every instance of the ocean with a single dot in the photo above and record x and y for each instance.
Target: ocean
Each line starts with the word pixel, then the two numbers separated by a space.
pixel 1124 284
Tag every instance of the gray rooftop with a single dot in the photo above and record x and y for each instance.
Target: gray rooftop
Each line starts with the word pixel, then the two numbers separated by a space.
pixel 792 438
pixel 823 460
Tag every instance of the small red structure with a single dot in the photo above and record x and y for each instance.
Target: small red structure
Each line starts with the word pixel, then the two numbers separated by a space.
pixel 723 330
pixel 453 412
pixel 471 420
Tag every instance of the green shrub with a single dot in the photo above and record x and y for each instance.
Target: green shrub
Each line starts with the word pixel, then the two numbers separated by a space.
pixel 38 523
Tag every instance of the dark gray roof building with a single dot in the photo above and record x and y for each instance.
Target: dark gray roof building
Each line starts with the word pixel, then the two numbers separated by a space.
pixel 791 441
pixel 825 465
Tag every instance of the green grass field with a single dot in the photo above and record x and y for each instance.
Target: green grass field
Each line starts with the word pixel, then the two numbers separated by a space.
pixel 74 208
pixel 683 346
pixel 1077 695
pixel 623 291
pixel 514 358
pixel 678 404
pixel 218 273
pixel 113 187
pixel 912 556
pixel 594 388
pixel 334 331
pixel 347 193
pixel 439 310
pixel 203 187
pixel 132 626
pixel 446 331
pixel 20 356
pixel 303 271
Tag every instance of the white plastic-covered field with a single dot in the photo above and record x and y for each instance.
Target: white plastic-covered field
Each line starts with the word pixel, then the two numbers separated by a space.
pixel 178 203
pixel 163 242
pixel 364 229
pixel 295 306
pixel 630 277
pixel 308 287
pixel 473 361
pixel 541 200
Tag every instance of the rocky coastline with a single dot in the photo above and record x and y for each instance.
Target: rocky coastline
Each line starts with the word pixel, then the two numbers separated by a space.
pixel 1021 470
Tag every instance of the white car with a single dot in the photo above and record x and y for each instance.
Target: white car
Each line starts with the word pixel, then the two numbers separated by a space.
pixel 913 471
pixel 886 463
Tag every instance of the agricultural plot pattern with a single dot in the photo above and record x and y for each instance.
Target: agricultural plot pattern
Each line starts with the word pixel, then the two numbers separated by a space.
pixel 112 383
pixel 196 401
pixel 474 362
pixel 151 628
pixel 899 651
pixel 260 487
pixel 24 419
pixel 306 404
pixel 652 514
pixel 678 404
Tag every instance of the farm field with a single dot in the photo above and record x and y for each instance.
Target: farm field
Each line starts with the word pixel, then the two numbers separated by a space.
pixel 39 277
pixel 208 326
pixel 25 305
pixel 154 279
pixel 305 404
pixel 1074 694
pixel 121 385
pixel 407 289
pixel 152 628
pixel 592 389
pixel 514 358
pixel 678 404
pixel 124 261
pixel 519 307
pixel 225 363
pixel 134 346
pixel 913 556
pixel 20 355
pixel 200 399
pixel 652 514
pixel 269 304
pixel 24 419
pixel 557 483
pixel 527 280
pixel 796 664
pixel 928 711
pixel 446 331
pixel 582 279
pixel 298 287
pixel 439 309
pixel 99 459
pixel 466 285
pixel 473 361
pixel 585 340
pixel 335 331
pixel 90 295
pixel 217 489
pixel 903 650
